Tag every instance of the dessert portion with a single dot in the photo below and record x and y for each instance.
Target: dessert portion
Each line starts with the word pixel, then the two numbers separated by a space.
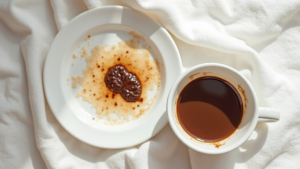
pixel 120 81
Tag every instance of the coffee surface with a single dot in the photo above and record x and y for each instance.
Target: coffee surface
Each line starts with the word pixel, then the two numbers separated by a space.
pixel 209 109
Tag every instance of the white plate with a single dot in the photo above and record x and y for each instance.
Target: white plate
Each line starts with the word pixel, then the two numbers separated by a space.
pixel 107 25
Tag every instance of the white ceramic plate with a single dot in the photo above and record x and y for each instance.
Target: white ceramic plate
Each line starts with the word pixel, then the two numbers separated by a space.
pixel 107 25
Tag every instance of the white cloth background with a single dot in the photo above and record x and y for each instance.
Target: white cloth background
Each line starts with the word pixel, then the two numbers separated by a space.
pixel 261 39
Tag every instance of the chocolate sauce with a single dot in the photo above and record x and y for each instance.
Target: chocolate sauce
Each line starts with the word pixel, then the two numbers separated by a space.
pixel 209 109
pixel 121 81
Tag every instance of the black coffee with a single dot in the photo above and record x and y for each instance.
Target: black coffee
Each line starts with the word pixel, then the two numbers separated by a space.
pixel 209 109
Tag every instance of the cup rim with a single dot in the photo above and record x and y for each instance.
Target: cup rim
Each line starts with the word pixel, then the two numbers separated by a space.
pixel 172 121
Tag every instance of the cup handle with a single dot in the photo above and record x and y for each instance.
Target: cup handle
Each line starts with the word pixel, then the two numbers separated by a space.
pixel 268 114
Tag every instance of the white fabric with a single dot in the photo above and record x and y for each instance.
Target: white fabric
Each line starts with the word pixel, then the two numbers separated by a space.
pixel 259 38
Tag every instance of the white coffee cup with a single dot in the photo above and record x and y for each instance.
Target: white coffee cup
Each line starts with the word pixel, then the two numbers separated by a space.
pixel 251 116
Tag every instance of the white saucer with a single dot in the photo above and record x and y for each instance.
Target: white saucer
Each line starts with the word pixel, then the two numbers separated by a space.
pixel 107 25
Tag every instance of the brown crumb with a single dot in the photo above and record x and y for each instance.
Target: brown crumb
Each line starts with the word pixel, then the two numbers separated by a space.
pixel 74 56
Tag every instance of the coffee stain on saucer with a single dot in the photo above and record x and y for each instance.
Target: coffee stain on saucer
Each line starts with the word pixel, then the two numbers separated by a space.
pixel 110 107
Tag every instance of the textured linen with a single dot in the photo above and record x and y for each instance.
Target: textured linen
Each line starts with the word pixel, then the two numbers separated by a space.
pixel 261 39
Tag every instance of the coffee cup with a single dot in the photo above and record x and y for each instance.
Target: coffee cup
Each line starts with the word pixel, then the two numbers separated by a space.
pixel 205 133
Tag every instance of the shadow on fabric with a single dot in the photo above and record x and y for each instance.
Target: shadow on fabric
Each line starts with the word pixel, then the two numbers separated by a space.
pixel 239 155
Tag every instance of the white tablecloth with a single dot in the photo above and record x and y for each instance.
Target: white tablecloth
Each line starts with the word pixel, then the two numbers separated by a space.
pixel 261 39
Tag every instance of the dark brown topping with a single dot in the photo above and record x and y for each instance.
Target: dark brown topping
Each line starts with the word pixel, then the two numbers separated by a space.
pixel 121 81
